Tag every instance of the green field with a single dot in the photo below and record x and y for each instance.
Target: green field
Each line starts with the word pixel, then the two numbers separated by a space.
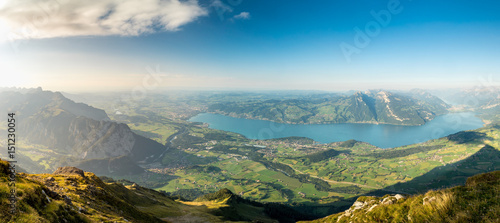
pixel 298 170
pixel 286 175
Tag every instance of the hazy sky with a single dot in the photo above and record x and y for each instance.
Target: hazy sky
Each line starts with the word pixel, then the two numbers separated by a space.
pixel 72 45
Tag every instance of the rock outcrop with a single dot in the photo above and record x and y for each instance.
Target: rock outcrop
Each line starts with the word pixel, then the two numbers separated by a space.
pixel 67 170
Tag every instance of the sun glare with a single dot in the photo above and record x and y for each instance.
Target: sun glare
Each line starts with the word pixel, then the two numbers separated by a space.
pixel 14 81
pixel 12 77
pixel 4 31
pixel 4 26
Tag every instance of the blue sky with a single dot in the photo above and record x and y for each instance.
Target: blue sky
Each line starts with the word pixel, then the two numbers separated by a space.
pixel 250 44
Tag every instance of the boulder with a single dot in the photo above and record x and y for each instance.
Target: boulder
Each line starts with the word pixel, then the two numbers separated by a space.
pixel 399 196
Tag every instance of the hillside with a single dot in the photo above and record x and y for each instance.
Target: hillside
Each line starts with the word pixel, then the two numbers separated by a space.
pixel 322 179
pixel 57 131
pixel 414 108
pixel 310 177
pixel 30 101
pixel 72 195
pixel 477 201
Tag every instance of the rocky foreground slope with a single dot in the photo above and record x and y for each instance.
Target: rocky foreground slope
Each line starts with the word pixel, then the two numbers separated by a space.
pixel 72 195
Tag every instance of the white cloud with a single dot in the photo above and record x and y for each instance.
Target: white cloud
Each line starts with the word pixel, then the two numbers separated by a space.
pixel 60 18
pixel 243 15
pixel 220 6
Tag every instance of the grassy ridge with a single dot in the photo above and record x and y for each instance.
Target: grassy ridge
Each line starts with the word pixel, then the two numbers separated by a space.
pixel 71 195
pixel 68 198
pixel 477 201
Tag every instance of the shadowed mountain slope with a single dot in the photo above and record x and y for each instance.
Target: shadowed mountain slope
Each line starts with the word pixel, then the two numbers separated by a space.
pixel 74 132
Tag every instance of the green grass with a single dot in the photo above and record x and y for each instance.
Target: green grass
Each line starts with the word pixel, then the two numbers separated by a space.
pixel 477 201
pixel 160 131
pixel 357 164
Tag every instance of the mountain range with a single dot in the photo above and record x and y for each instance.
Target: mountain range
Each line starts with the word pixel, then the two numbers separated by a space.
pixel 485 101
pixel 76 133
pixel 377 106
pixel 206 175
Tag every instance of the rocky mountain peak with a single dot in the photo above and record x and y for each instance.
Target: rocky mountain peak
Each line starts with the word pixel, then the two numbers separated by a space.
pixel 69 170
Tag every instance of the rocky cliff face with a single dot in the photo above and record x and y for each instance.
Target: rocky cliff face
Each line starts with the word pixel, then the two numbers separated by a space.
pixel 100 139
pixel 74 131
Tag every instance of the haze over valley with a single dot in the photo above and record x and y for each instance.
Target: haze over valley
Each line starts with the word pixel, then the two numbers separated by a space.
pixel 249 111
pixel 152 144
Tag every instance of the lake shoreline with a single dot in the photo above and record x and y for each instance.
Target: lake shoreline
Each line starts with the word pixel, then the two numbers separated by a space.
pixel 319 123
pixel 379 135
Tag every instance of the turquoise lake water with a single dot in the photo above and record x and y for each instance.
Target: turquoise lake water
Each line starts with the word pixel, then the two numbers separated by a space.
pixel 383 136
